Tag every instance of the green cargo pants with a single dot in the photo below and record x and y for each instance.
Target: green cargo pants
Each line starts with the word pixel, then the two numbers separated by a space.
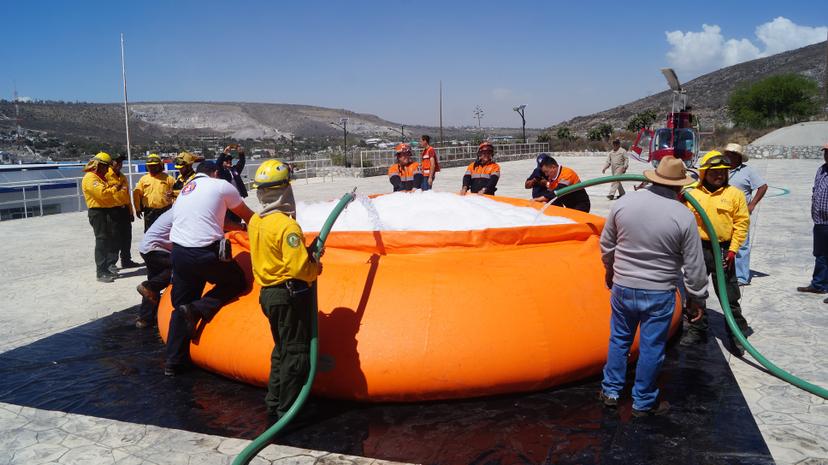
pixel 731 288
pixel 290 325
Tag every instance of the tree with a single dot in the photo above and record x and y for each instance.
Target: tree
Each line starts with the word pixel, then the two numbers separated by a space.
pixel 641 120
pixel 544 137
pixel 564 133
pixel 775 100
pixel 601 132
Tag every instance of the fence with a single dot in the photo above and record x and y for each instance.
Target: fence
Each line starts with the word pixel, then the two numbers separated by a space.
pixel 373 162
pixel 39 197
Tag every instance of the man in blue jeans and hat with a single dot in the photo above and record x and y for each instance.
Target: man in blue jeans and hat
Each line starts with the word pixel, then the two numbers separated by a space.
pixel 648 238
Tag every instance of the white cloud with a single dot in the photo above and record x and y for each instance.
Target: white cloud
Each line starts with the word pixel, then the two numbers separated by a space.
pixel 697 52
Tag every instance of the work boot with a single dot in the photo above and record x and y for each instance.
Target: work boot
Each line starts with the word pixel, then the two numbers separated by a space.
pixel 609 197
pixel 113 270
pixel 662 408
pixel 607 400
pixel 691 338
pixel 147 293
pixel 130 264
pixel 811 289
pixel 106 278
pixel 189 314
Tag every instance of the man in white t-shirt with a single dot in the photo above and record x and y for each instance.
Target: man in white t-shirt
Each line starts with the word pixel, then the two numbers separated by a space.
pixel 197 229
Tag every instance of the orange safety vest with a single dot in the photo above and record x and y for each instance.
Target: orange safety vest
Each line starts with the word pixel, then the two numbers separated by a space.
pixel 406 175
pixel 428 155
pixel 565 177
pixel 478 176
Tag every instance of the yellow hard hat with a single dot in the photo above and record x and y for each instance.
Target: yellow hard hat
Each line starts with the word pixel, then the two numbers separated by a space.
pixel 103 157
pixel 153 159
pixel 271 173
pixel 185 159
pixel 715 160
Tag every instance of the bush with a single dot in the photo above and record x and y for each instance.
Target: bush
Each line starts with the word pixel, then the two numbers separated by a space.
pixel 602 132
pixel 641 120
pixel 776 100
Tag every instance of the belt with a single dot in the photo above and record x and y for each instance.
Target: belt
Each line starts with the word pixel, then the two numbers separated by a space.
pixel 290 284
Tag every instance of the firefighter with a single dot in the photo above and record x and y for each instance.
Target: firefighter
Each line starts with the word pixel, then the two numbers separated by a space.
pixel 556 176
pixel 405 175
pixel 101 199
pixel 285 270
pixel 727 209
pixel 184 164
pixel 124 215
pixel 200 255
pixel 482 175
pixel 153 194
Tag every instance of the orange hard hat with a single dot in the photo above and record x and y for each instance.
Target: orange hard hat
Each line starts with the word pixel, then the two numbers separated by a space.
pixel 400 148
pixel 484 145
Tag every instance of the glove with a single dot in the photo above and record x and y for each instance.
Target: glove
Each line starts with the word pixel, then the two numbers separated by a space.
pixel 730 260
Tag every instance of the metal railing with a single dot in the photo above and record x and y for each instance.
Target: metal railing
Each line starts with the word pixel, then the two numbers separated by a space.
pixel 25 199
pixel 450 155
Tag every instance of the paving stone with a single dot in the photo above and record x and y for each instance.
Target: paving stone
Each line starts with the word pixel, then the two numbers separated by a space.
pixel 16 439
pixel 90 454
pixel 38 453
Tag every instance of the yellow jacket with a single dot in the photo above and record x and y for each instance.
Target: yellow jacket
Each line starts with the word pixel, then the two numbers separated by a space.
pixel 728 212
pixel 278 252
pixel 153 191
pixel 178 184
pixel 99 193
pixel 122 194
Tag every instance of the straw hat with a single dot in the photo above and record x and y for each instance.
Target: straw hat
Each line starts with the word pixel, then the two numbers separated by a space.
pixel 670 172
pixel 736 148
pixel 825 147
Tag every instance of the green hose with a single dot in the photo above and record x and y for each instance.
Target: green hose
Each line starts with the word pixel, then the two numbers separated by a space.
pixel 720 283
pixel 264 439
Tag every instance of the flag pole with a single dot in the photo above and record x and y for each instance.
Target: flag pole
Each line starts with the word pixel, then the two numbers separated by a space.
pixel 126 118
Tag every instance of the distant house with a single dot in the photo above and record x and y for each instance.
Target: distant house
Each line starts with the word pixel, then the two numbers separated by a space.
pixel 373 141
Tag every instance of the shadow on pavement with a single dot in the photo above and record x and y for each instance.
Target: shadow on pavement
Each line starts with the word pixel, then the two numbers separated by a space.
pixel 109 369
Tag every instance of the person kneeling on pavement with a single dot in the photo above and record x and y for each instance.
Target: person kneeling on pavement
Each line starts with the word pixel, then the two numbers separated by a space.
pixel 285 270
pixel 727 209
pixel 552 177
pixel 155 251
pixel 200 254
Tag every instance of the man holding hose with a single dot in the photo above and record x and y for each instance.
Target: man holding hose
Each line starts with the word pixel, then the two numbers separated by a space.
pixel 285 269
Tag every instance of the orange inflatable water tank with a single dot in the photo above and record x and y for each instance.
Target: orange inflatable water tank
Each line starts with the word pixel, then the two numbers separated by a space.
pixel 425 315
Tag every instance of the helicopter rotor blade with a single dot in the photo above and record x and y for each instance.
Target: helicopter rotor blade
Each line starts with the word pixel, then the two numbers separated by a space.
pixel 672 79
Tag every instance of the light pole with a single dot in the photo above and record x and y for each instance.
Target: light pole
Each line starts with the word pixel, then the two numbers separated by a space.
pixel 478 113
pixel 343 123
pixel 401 131
pixel 521 110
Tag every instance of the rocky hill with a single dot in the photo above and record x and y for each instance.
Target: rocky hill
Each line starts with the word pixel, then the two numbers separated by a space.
pixel 708 94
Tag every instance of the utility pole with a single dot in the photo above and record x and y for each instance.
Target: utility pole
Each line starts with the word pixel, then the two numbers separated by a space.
pixel 343 123
pixel 126 119
pixel 17 115
pixel 441 111
pixel 402 132
pixel 521 111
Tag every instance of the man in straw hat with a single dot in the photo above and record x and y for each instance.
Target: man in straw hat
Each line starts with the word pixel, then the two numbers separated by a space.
pixel 727 210
pixel 746 179
pixel 649 237
pixel 819 214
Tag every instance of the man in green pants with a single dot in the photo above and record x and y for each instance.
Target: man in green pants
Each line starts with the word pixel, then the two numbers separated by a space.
pixel 285 270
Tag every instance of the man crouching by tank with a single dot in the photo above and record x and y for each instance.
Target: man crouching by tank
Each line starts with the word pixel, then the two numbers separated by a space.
pixel 285 270
pixel 200 254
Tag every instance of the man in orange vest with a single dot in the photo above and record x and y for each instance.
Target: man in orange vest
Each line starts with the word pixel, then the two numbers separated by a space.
pixel 405 175
pixel 430 164
pixel 554 177
pixel 482 175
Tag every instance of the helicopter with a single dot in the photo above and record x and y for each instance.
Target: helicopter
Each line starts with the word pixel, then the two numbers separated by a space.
pixel 679 138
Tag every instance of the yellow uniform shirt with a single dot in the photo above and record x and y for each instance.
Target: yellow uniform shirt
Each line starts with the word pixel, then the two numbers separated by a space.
pixel 728 212
pixel 122 194
pixel 277 250
pixel 153 191
pixel 98 192
pixel 178 184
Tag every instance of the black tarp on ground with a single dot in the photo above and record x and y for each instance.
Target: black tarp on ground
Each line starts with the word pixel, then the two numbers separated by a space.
pixel 109 369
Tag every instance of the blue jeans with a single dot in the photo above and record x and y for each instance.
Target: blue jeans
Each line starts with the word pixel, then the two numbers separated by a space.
pixel 820 279
pixel 743 262
pixel 652 311
pixel 425 185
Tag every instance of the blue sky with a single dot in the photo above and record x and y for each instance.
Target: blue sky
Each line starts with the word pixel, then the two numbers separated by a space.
pixel 387 58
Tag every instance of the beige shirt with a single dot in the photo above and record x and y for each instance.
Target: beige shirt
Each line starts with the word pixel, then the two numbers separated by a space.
pixel 617 160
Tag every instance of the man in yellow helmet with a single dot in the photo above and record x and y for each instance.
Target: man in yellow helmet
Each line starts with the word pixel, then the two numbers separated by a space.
pixel 727 209
pixel 101 202
pixel 184 164
pixel 152 195
pixel 285 270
